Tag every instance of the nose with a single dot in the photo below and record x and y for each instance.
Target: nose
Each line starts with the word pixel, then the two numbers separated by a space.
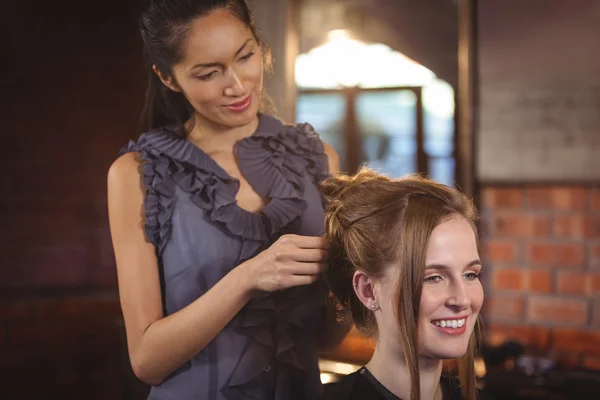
pixel 458 297
pixel 234 87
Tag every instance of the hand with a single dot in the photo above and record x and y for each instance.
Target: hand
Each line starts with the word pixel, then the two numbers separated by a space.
pixel 291 261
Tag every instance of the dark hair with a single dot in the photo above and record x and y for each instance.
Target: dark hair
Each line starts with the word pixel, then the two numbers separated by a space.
pixel 372 221
pixel 165 25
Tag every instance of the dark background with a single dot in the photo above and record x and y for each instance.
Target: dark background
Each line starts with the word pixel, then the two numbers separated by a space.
pixel 72 87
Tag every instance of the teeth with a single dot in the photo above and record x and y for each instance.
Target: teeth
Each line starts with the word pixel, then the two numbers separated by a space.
pixel 451 323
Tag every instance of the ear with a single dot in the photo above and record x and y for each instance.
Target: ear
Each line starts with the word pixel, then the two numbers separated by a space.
pixel 365 289
pixel 168 81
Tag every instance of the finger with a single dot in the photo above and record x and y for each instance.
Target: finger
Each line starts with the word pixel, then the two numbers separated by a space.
pixel 306 268
pixel 310 255
pixel 308 242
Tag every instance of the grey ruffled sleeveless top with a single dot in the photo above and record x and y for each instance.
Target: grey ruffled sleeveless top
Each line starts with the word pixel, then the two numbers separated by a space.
pixel 268 350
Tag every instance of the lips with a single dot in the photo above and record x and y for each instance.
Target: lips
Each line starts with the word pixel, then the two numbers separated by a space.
pixel 240 106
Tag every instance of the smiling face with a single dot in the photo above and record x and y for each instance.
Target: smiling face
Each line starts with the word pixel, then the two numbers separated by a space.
pixel 451 297
pixel 452 294
pixel 221 73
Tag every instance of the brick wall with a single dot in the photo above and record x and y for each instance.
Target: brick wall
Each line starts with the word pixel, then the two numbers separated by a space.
pixel 542 256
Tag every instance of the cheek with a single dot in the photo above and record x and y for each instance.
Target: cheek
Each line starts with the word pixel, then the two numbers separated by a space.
pixel 254 71
pixel 203 93
pixel 430 303
pixel 476 295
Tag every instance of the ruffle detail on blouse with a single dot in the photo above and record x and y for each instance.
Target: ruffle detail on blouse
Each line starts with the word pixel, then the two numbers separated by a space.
pixel 270 324
pixel 274 161
pixel 160 191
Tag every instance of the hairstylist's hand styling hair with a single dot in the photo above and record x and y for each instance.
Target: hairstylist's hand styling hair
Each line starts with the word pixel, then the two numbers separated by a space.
pixel 291 261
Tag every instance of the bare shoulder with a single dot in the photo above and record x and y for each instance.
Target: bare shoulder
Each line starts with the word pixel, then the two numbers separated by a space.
pixel 334 159
pixel 124 184
pixel 124 170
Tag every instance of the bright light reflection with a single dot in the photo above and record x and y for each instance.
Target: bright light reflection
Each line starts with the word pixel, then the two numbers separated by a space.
pixel 480 369
pixel 345 62
pixel 438 98
pixel 337 367
pixel 327 378
pixel 337 34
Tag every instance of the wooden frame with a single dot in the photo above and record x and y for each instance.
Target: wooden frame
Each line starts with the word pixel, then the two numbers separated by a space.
pixel 352 134
pixel 467 99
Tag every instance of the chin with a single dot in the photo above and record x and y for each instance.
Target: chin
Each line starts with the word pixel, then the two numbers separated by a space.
pixel 239 120
pixel 236 120
pixel 447 354
pixel 446 351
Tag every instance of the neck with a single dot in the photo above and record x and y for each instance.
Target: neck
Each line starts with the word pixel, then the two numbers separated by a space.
pixel 210 135
pixel 388 366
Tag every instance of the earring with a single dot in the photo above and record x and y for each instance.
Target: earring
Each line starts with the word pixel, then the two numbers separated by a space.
pixel 355 284
pixel 373 306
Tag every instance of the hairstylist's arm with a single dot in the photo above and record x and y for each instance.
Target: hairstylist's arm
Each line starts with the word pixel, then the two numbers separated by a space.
pixel 158 345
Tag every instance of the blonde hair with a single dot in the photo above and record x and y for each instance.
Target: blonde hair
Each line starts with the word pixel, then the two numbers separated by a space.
pixel 372 221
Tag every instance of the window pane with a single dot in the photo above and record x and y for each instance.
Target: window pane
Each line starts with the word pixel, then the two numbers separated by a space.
pixel 326 113
pixel 439 135
pixel 441 169
pixel 387 125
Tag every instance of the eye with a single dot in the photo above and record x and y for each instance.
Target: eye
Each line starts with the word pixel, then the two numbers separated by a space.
pixel 207 76
pixel 433 279
pixel 471 276
pixel 247 56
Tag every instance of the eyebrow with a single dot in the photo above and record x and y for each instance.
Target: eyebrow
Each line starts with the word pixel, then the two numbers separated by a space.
pixel 217 64
pixel 441 266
